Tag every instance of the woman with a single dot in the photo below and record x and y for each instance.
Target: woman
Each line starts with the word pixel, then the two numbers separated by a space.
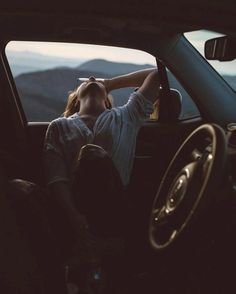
pixel 113 130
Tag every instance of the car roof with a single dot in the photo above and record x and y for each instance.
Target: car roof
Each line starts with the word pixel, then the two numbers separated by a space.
pixel 152 26
pixel 66 19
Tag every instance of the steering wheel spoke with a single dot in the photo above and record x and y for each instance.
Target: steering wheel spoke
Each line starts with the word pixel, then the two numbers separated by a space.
pixel 160 216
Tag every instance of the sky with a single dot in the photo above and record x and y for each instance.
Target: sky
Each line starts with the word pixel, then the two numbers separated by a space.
pixel 86 52
pixel 83 51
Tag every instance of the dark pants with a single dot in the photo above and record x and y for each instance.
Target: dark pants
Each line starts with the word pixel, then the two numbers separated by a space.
pixel 99 193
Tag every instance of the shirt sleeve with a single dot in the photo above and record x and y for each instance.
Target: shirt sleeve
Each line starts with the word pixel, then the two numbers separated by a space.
pixel 55 169
pixel 138 107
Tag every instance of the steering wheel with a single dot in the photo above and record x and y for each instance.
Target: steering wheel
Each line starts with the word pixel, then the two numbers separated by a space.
pixel 185 190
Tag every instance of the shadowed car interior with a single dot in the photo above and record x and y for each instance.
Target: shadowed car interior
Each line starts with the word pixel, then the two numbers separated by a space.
pixel 182 189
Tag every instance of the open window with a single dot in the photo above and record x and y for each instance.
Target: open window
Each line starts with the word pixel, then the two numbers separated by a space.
pixel 45 73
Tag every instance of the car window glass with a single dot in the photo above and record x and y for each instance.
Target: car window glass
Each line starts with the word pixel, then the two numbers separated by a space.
pixel 45 73
pixel 227 69
pixel 189 108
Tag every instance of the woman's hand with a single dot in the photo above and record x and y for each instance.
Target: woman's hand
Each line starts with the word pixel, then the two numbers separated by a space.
pixel 106 83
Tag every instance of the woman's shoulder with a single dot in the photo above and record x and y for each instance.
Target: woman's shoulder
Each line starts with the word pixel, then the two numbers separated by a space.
pixel 63 119
pixel 57 121
pixel 64 125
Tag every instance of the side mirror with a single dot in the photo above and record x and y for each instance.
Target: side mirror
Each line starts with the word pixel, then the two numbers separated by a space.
pixel 221 48
pixel 171 106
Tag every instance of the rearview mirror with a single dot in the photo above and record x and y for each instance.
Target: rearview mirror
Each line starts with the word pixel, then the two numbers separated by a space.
pixel 221 48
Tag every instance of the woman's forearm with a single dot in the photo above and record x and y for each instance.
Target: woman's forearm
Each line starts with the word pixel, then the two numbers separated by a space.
pixel 134 79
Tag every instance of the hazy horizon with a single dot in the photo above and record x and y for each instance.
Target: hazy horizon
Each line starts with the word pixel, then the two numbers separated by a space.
pixel 85 52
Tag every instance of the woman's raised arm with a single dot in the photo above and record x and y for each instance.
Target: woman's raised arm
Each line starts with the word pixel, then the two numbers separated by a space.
pixel 134 79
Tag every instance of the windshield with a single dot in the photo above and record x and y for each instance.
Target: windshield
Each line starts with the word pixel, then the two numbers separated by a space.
pixel 226 69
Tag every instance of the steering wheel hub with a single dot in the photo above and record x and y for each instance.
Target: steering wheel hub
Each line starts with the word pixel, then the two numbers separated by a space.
pixel 177 192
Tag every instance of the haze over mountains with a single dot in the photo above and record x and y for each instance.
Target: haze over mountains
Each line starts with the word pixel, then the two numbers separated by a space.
pixel 44 88
pixel 27 61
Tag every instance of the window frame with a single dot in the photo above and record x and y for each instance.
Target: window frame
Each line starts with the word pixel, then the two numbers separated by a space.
pixel 22 110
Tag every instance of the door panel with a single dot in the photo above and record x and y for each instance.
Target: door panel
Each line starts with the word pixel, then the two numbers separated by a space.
pixel 36 134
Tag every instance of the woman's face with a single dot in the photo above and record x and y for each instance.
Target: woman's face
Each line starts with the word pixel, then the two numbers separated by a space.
pixel 92 87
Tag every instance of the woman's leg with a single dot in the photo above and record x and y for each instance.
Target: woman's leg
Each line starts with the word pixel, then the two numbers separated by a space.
pixel 99 192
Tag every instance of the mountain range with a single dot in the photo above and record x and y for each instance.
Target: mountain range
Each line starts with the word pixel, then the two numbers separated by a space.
pixel 44 93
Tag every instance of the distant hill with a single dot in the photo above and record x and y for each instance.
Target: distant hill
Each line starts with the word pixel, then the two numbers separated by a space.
pixel 111 68
pixel 44 93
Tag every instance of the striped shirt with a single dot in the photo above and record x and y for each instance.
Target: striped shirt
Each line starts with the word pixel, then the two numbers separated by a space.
pixel 115 130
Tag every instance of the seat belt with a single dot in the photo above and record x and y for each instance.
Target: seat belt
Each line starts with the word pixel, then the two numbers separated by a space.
pixel 165 93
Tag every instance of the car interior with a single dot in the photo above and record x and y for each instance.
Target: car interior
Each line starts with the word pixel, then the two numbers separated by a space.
pixel 176 245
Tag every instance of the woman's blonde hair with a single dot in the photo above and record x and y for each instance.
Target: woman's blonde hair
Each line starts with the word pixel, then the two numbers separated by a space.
pixel 73 103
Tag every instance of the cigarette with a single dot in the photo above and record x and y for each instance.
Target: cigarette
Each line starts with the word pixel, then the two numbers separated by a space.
pixel 86 79
pixel 83 79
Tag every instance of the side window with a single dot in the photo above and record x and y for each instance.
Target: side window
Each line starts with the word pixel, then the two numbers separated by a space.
pixel 45 73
